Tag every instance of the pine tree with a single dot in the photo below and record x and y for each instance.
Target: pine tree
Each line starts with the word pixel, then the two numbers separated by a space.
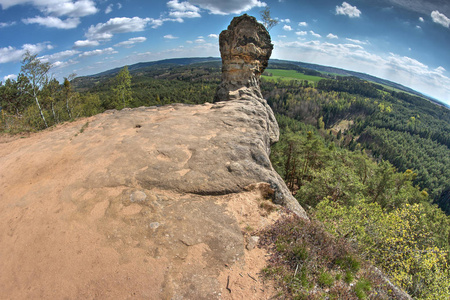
pixel 122 88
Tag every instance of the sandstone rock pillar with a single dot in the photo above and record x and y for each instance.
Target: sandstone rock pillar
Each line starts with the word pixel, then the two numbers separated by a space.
pixel 245 49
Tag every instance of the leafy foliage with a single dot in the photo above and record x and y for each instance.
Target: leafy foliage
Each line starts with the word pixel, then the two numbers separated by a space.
pixel 379 210
pixel 408 131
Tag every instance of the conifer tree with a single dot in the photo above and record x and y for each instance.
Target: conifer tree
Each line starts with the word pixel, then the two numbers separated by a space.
pixel 122 88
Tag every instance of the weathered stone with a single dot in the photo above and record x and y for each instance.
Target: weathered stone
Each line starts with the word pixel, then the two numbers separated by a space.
pixel 252 242
pixel 245 48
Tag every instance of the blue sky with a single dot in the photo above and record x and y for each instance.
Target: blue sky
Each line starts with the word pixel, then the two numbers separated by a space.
pixel 406 41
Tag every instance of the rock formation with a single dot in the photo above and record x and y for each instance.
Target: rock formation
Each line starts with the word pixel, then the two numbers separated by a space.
pixel 245 48
pixel 146 203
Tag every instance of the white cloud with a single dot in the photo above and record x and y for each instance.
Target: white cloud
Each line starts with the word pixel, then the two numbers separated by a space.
pixel 10 76
pixel 285 20
pixel 301 33
pixel 180 10
pixel 80 8
pixel 119 5
pixel 287 28
pixel 200 40
pixel 98 52
pixel 418 27
pixel 213 36
pixel 61 64
pixel 282 36
pixel 105 31
pixel 332 36
pixel 440 18
pixel 85 43
pixel 348 10
pixel 402 69
pixel 53 22
pixel 3 25
pixel 440 70
pixel 59 56
pixel 219 7
pixel 74 9
pixel 315 34
pixel 131 42
pixel 11 54
pixel 302 24
pixel 54 10
pixel 357 41
pixel 421 19
pixel 170 37
pixel 109 9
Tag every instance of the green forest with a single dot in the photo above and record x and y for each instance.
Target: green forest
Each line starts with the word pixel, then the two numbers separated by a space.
pixel 369 164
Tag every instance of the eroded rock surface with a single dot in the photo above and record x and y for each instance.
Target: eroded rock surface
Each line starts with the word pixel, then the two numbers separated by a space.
pixel 245 48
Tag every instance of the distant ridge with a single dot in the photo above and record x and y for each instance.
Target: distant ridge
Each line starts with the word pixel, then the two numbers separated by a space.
pixel 135 68
pixel 170 61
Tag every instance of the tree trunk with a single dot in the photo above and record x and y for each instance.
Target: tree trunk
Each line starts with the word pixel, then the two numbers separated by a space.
pixel 40 111
pixel 67 107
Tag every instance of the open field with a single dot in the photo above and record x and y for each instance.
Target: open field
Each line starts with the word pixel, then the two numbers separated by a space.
pixel 289 75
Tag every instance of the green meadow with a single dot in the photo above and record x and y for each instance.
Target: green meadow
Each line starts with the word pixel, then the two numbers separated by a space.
pixel 287 75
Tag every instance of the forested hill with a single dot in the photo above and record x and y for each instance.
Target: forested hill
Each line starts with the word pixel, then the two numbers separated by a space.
pixel 318 70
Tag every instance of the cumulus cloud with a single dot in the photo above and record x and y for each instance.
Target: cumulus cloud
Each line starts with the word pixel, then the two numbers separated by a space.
pixel 105 31
pixel 180 10
pixel 332 36
pixel 301 33
pixel 95 52
pixel 85 43
pixel 219 7
pixel 170 37
pixel 213 36
pixel 59 8
pixel 59 56
pixel 10 76
pixel 61 64
pixel 54 10
pixel 200 40
pixel 68 8
pixel 287 28
pixel 302 24
pixel 285 20
pixel 315 34
pixel 440 18
pixel 131 42
pixel 348 10
pixel 12 54
pixel 53 22
pixel 421 19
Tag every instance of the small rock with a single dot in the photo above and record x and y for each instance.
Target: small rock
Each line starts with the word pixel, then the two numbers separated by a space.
pixel 138 196
pixel 154 225
pixel 252 242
